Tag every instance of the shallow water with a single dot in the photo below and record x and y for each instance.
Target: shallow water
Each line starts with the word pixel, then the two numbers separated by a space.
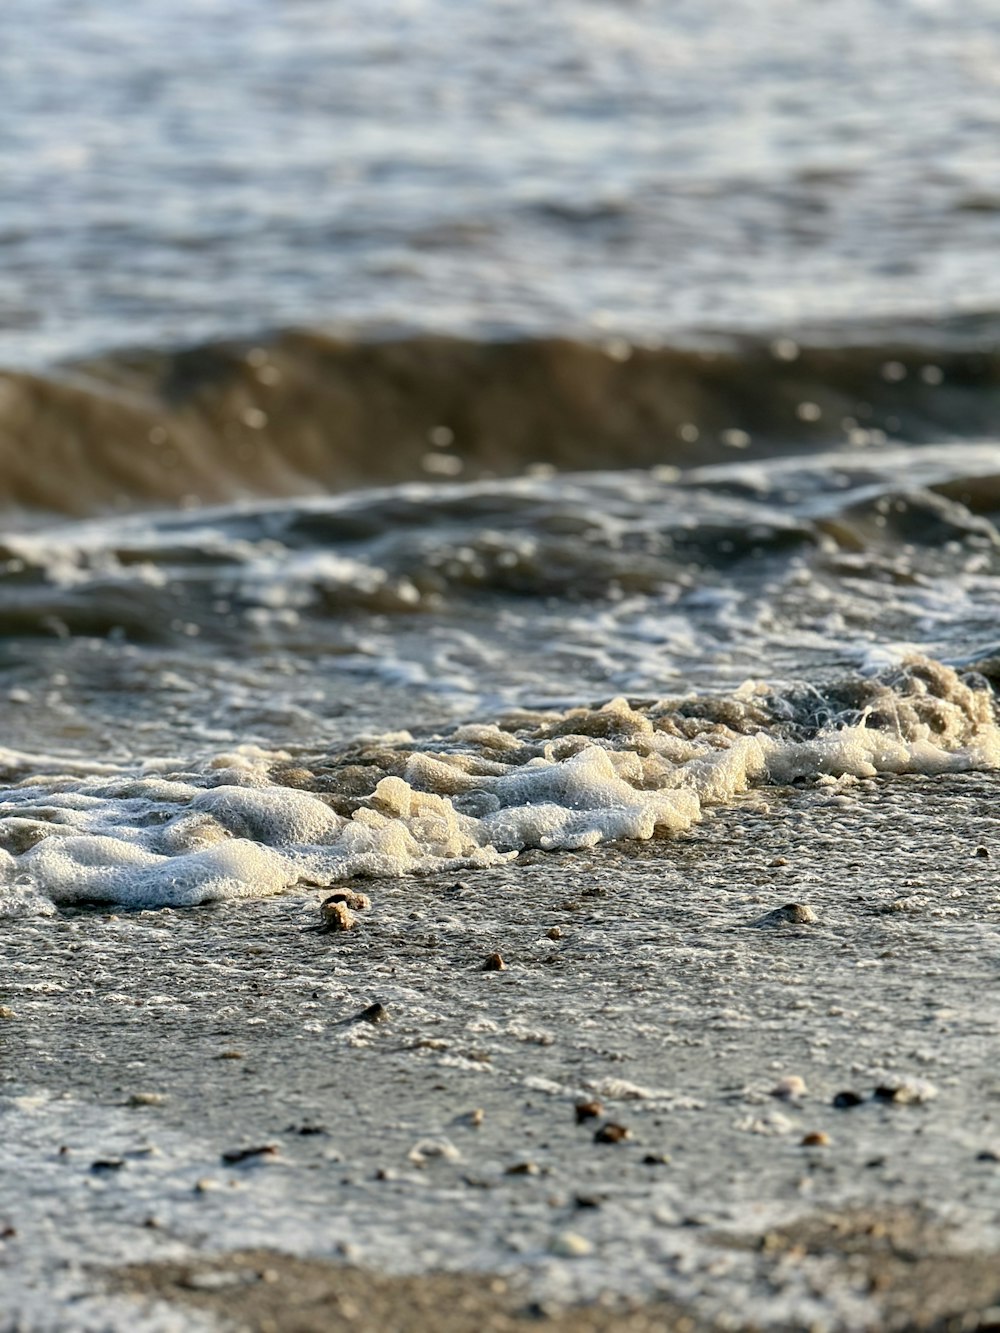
pixel 749 623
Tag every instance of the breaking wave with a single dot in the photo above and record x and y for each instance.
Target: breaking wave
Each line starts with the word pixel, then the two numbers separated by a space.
pixel 302 413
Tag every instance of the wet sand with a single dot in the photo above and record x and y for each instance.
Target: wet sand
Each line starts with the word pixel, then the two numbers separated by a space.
pixel 898 1257
pixel 658 980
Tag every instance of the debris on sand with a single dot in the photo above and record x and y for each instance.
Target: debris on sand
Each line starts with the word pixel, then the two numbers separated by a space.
pixel 336 915
pixel 791 914
pixel 612 1133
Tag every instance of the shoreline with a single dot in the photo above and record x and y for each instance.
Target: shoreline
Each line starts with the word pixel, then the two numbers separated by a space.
pixel 143 1051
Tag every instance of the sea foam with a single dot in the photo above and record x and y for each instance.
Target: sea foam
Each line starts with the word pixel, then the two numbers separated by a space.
pixel 253 823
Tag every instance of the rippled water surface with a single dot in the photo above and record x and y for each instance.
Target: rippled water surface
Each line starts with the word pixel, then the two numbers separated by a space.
pixel 179 170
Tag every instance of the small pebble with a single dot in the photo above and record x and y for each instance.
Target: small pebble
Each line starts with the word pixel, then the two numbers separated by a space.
pixel 336 915
pixel 6 1011
pixel 230 1055
pixel 375 1013
pixel 473 1118
pixel 146 1099
pixel 984 852
pixel 218 1281
pixel 495 963
pixel 554 933
pixel 657 1159
pixel 588 1111
pixel 790 1088
pixel 612 1133
pixel 433 1149
pixel 523 1169
pixel 988 1155
pixel 571 1245
pixel 816 1139
pixel 791 914
pixel 905 1092
pixel 108 1164
pixel 235 1156
pixel 843 1101
pixel 357 902
pixel 206 1185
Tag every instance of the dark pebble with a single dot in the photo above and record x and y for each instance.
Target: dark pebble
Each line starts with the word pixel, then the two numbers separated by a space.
pixel 523 1169
pixel 375 1013
pixel 988 1155
pixel 306 1129
pixel 984 852
pixel 612 1133
pixel 357 902
pixel 887 1092
pixel 495 963
pixel 588 1111
pixel 656 1159
pixel 791 914
pixel 108 1164
pixel 843 1101
pixel 236 1155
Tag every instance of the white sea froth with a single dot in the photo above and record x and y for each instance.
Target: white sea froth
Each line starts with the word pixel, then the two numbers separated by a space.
pixel 241 825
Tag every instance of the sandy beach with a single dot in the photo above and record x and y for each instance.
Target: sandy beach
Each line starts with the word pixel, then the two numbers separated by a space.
pixel 809 1108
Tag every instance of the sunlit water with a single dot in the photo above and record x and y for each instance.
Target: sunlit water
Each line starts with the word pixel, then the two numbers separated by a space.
pixel 181 169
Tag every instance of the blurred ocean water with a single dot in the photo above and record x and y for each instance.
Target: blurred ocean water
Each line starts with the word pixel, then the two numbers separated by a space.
pixel 185 169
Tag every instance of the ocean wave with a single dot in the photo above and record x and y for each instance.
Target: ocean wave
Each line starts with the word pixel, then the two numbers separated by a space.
pixel 303 413
pixel 922 516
